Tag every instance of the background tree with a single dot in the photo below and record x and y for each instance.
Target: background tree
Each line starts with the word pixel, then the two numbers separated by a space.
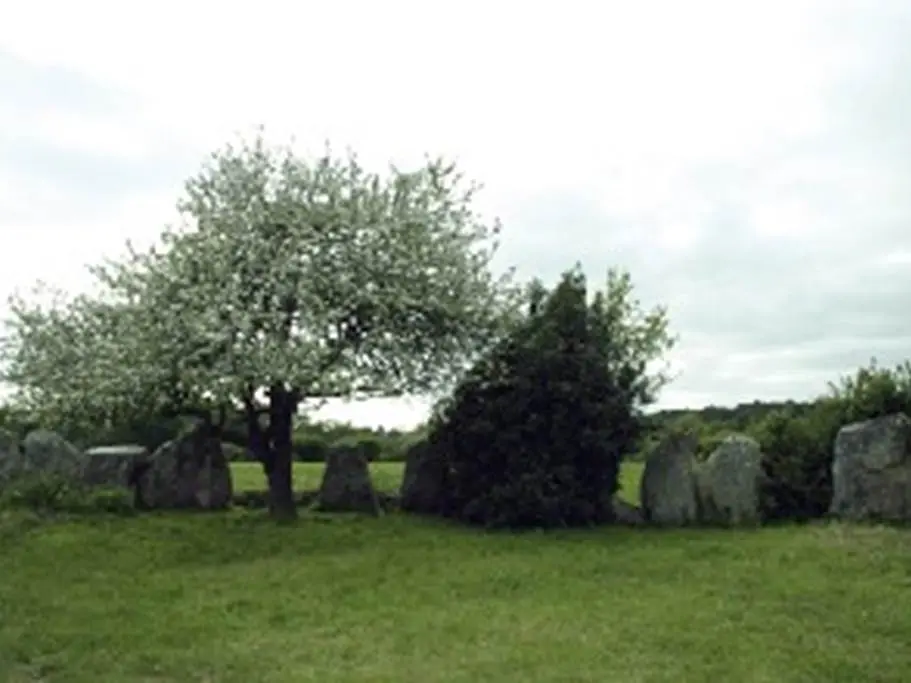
pixel 286 280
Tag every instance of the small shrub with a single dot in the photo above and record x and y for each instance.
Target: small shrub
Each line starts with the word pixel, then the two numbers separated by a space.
pixel 708 443
pixel 797 464
pixel 873 392
pixel 371 449
pixel 798 451
pixel 396 450
pixel 111 500
pixel 235 453
pixel 48 493
pixel 311 450
pixel 39 491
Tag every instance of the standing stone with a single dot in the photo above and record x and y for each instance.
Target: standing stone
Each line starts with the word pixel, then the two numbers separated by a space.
pixel 728 482
pixel 424 480
pixel 627 514
pixel 668 489
pixel 47 453
pixel 871 470
pixel 346 485
pixel 114 465
pixel 188 472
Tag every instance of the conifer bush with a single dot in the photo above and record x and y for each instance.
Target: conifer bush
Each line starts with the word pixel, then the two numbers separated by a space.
pixel 535 433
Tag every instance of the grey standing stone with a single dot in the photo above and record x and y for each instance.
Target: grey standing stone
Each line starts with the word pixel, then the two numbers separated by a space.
pixel 728 482
pixel 188 472
pixel 627 514
pixel 871 470
pixel 668 489
pixel 114 465
pixel 423 481
pixel 47 453
pixel 346 485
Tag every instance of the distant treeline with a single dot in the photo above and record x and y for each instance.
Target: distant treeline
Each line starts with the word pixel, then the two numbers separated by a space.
pixel 796 426
pixel 312 440
pixel 714 422
pixel 737 417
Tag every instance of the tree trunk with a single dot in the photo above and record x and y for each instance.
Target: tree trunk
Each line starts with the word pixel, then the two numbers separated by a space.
pixel 281 492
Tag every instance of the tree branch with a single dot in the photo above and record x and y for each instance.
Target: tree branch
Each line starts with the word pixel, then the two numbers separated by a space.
pixel 257 439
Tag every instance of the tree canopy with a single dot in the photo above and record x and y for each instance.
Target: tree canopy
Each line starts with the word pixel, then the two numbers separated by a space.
pixel 287 278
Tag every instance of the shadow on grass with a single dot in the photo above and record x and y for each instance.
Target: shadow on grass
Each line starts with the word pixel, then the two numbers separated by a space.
pixel 185 540
pixel 188 540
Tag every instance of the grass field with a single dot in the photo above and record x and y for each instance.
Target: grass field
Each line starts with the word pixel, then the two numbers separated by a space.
pixel 248 476
pixel 387 476
pixel 234 598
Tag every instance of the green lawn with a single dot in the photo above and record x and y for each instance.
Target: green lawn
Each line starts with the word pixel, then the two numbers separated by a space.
pixel 387 476
pixel 248 476
pixel 234 598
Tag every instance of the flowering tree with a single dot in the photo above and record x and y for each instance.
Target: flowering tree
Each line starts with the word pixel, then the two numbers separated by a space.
pixel 288 280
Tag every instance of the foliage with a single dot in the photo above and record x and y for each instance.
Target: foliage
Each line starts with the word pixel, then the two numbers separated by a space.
pixel 149 430
pixel 52 493
pixel 736 418
pixel 288 279
pixel 534 436
pixel 873 391
pixel 797 438
pixel 709 434
pixel 311 451
pixel 798 450
pixel 16 421
pixel 367 447
pixel 797 463
pixel 370 449
pixel 39 490
pixel 311 439
pixel 235 453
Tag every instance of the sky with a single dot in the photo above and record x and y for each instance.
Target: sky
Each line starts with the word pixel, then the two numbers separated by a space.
pixel 748 162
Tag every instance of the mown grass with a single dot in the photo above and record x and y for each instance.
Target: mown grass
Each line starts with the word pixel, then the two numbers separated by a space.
pixel 387 477
pixel 248 476
pixel 233 597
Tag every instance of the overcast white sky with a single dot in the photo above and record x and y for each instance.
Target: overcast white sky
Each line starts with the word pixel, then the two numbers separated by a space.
pixel 749 162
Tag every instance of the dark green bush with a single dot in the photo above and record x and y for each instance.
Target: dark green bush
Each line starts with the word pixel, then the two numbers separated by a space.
pixel 395 453
pixel 40 491
pixel 797 463
pixel 396 449
pixel 111 500
pixel 311 450
pixel 534 436
pixel 48 493
pixel 371 449
pixel 235 453
pixel 874 392
pixel 798 450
